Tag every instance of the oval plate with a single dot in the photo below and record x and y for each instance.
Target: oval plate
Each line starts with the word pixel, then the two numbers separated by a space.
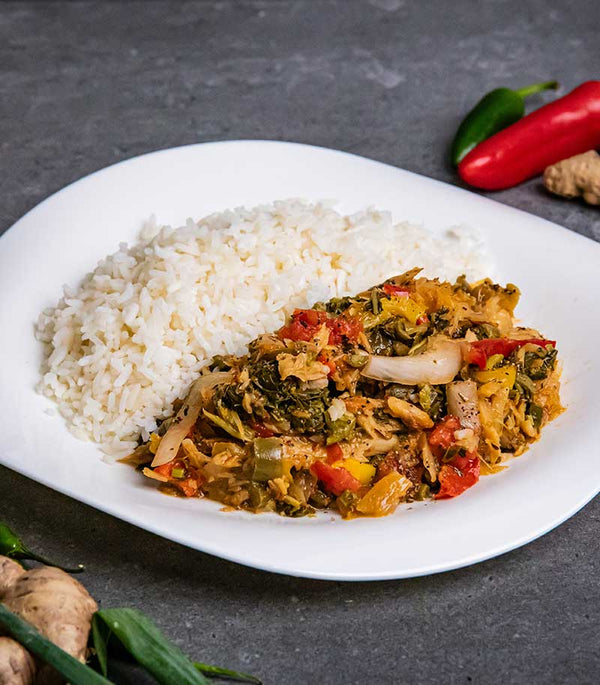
pixel 63 238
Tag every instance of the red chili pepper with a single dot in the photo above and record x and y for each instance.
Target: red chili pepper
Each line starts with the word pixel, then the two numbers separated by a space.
pixel 556 131
pixel 458 475
pixel 479 351
pixel 395 290
pixel 334 453
pixel 335 480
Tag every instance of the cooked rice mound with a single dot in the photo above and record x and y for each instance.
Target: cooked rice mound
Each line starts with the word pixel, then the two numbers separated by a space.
pixel 127 341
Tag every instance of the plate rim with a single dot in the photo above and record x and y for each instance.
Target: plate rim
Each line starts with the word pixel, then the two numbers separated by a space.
pixel 130 517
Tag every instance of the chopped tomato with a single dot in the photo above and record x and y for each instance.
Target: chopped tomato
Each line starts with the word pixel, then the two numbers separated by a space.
pixel 334 453
pixel 330 363
pixel 341 327
pixel 461 472
pixel 336 480
pixel 442 436
pixel 189 487
pixel 261 430
pixel 305 324
pixel 395 290
pixel 166 469
pixel 458 475
pixel 422 319
pixel 479 351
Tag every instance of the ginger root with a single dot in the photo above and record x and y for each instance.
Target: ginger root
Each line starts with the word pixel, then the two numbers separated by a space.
pixel 576 176
pixel 54 603
pixel 17 666
pixel 10 571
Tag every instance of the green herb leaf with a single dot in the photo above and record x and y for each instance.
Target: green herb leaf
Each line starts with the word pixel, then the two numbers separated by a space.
pixel 71 669
pixel 100 636
pixel 148 646
pixel 226 674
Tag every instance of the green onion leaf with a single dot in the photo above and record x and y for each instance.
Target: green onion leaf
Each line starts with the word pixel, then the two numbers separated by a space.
pixel 226 674
pixel 100 636
pixel 147 645
pixel 25 634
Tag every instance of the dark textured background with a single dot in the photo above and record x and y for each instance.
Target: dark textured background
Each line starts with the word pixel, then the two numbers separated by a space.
pixel 84 85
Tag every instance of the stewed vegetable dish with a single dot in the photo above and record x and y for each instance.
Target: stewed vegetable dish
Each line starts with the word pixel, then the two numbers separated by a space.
pixel 408 391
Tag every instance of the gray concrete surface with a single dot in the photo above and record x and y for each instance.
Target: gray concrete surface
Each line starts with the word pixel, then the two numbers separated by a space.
pixel 84 85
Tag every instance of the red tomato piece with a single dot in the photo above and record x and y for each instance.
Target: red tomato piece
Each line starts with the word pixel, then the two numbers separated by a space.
pixel 261 430
pixel 189 487
pixel 305 324
pixel 328 362
pixel 395 290
pixel 458 475
pixel 442 436
pixel 335 480
pixel 479 351
pixel 166 469
pixel 334 453
pixel 341 327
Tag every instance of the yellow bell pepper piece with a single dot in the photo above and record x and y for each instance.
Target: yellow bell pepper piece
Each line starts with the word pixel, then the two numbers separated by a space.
pixel 361 471
pixel 493 361
pixel 403 306
pixel 154 442
pixel 385 495
pixel 504 376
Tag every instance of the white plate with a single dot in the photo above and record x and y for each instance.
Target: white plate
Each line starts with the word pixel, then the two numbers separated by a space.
pixel 62 239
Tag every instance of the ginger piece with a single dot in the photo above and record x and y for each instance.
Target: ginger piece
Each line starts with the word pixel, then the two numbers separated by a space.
pixel 575 177
pixel 10 572
pixel 17 666
pixel 59 607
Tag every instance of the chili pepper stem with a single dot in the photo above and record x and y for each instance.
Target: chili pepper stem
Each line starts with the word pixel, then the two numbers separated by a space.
pixel 537 88
pixel 26 554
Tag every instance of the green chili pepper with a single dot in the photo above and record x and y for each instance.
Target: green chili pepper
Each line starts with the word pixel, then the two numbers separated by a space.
pixel 11 546
pixel 268 459
pixel 423 492
pixel 357 359
pixel 537 415
pixel 341 429
pixel 496 110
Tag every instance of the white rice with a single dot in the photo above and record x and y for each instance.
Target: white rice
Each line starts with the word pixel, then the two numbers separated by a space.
pixel 123 345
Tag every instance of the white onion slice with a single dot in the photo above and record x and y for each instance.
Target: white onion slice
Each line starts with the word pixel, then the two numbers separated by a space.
pixel 437 366
pixel 464 404
pixel 186 417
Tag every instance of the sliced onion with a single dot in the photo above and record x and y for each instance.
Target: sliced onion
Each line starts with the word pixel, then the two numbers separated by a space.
pixel 464 404
pixel 439 365
pixel 380 445
pixel 429 461
pixel 186 417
